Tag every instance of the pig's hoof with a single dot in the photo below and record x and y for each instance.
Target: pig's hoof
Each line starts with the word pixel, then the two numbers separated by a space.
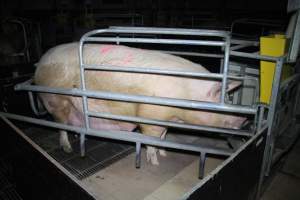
pixel 67 148
pixel 162 152
pixel 152 155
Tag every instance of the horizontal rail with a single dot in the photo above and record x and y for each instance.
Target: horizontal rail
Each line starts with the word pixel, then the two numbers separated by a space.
pixel 123 136
pixel 253 56
pixel 189 104
pixel 239 46
pixel 152 71
pixel 170 124
pixel 171 31
pixel 244 42
pixel 163 72
pixel 182 53
pixel 154 41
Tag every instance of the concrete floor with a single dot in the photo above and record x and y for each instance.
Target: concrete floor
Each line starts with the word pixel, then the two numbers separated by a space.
pixel 176 174
pixel 285 183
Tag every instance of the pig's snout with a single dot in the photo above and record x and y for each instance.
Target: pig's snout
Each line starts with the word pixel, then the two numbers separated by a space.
pixel 236 122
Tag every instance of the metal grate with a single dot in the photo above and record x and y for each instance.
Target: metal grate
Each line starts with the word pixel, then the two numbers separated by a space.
pixel 99 153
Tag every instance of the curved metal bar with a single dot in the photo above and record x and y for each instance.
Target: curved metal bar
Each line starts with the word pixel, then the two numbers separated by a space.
pixel 123 136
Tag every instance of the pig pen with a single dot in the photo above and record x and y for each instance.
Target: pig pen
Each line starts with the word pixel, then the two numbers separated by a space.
pixel 230 171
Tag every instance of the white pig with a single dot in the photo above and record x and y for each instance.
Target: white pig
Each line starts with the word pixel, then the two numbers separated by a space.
pixel 59 67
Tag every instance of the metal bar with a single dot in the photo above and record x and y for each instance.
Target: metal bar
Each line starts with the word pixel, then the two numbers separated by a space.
pixel 217 170
pixel 170 124
pixel 154 41
pixel 209 55
pixel 171 31
pixel 245 42
pixel 190 104
pixel 138 155
pixel 271 114
pixel 123 136
pixel 163 72
pixel 225 70
pixel 84 100
pixel 33 105
pixel 270 140
pixel 239 46
pixel 152 71
pixel 254 56
pixel 260 116
pixel 82 144
pixel 202 165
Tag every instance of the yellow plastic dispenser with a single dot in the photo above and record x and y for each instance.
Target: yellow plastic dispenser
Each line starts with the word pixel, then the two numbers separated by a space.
pixel 273 45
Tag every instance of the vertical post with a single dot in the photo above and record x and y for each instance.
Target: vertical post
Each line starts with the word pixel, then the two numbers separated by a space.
pixel 271 114
pixel 221 65
pixel 260 116
pixel 240 92
pixel 202 164
pixel 225 69
pixel 138 155
pixel 262 174
pixel 267 158
pixel 84 98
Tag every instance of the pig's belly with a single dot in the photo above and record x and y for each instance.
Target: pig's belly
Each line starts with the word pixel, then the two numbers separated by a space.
pixel 76 118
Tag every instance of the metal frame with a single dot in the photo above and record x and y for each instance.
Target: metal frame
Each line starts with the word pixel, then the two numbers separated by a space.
pixel 90 37
pixel 222 106
pixel 24 52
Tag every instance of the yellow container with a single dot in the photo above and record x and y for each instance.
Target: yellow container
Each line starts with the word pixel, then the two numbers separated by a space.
pixel 273 45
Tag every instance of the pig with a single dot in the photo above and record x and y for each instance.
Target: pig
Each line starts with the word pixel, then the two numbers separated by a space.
pixel 59 67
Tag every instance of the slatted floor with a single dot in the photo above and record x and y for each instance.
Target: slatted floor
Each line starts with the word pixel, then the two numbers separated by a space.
pixel 99 153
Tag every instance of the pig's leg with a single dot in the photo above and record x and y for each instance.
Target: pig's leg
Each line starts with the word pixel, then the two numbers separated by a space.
pixel 59 107
pixel 162 152
pixel 64 141
pixel 155 131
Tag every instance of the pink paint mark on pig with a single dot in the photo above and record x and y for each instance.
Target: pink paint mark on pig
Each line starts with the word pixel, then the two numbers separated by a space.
pixel 106 49
pixel 128 58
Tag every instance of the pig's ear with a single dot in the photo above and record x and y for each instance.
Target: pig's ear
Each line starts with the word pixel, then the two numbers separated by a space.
pixel 232 85
pixel 215 91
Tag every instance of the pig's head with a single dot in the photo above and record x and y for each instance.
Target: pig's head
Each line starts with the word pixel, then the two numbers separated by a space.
pixel 225 120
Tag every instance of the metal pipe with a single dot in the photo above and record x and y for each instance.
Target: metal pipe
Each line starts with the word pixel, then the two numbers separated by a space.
pixel 169 124
pixel 239 46
pixel 154 41
pixel 123 136
pixel 171 31
pixel 253 56
pixel 229 160
pixel 164 72
pixel 245 42
pixel 225 70
pixel 152 71
pixel 138 155
pixel 202 165
pixel 269 141
pixel 33 107
pixel 190 104
pixel 84 99
pixel 273 104
pixel 208 55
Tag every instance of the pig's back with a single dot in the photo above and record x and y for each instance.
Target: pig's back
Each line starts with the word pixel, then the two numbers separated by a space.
pixel 62 64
